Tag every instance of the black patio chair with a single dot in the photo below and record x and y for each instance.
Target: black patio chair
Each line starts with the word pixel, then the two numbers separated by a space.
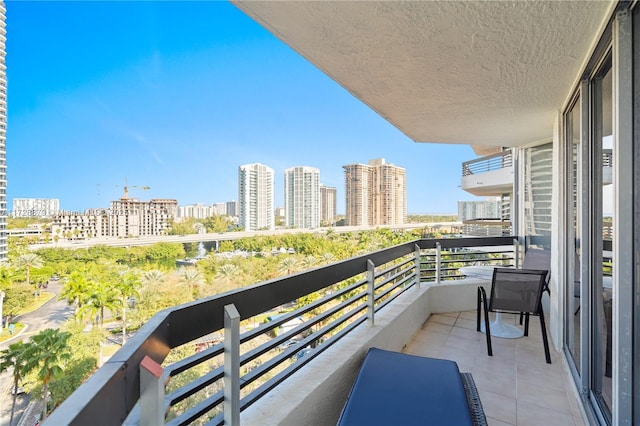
pixel 514 291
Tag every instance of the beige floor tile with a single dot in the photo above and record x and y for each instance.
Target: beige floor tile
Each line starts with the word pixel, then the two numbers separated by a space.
pixel 443 319
pixel 516 385
pixel 544 397
pixel 532 415
pixel 438 328
pixel 498 406
pixel 468 315
pixel 431 337
pixel 463 344
pixel 495 365
pixel 501 384
pixel 493 422
pixel 422 350
pixel 467 334
pixel 466 323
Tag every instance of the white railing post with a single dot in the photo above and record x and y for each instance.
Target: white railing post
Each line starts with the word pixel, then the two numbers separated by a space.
pixel 417 265
pixel 438 259
pixel 231 379
pixel 371 277
pixel 151 393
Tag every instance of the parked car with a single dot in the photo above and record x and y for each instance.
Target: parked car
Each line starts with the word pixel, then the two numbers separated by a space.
pixel 17 391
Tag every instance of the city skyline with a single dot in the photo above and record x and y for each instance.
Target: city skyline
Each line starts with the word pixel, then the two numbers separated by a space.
pixel 179 110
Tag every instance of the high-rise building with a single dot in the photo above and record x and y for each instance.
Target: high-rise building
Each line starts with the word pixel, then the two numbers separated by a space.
pixel 35 207
pixel 255 197
pixel 127 217
pixel 486 209
pixel 130 217
pixel 3 136
pixel 376 194
pixel 302 197
pixel 328 198
pixel 232 208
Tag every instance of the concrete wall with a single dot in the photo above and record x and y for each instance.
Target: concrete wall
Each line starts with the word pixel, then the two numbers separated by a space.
pixel 316 394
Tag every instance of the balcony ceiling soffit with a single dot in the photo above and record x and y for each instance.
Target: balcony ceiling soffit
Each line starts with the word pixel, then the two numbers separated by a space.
pixel 482 73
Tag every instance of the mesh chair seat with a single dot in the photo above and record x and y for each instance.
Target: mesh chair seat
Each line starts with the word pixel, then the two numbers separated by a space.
pixel 515 291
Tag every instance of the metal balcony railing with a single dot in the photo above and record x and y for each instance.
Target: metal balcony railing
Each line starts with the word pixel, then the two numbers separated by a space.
pixel 488 163
pixel 486 228
pixel 279 326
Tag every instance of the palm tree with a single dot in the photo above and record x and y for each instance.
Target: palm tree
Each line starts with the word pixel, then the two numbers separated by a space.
pixel 287 265
pixel 99 298
pixel 127 287
pixel 16 356
pixel 309 262
pixel 76 290
pixel 328 258
pixel 193 278
pixel 152 276
pixel 27 261
pixel 228 270
pixel 49 351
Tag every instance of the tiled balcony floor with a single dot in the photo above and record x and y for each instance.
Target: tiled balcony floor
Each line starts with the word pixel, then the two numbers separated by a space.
pixel 516 385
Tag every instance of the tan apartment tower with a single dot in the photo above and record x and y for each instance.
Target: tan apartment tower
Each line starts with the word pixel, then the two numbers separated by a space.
pixel 376 194
pixel 328 198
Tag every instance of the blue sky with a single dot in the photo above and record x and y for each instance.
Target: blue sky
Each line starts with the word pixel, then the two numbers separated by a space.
pixel 175 96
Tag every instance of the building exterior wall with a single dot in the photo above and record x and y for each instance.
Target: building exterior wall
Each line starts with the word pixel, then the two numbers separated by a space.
pixel 35 207
pixel 487 209
pixel 328 201
pixel 127 217
pixel 232 208
pixel 302 197
pixel 255 197
pixel 3 136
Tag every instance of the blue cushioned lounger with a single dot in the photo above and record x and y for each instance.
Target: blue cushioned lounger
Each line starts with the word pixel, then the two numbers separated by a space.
pixel 393 388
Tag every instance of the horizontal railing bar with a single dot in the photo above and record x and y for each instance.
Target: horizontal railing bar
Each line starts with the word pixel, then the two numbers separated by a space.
pixel 250 399
pixel 386 291
pixel 198 410
pixel 194 386
pixel 191 361
pixel 251 355
pixel 380 273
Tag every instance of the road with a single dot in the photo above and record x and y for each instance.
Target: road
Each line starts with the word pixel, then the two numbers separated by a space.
pixel 50 315
pixel 230 236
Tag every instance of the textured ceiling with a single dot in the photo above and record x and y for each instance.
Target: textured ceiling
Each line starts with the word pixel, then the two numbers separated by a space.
pixel 491 73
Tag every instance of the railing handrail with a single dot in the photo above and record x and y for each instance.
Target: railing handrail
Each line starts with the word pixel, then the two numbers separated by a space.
pixel 487 163
pixel 118 380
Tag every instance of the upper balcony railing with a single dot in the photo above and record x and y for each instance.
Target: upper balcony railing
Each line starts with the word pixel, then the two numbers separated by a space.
pixel 281 325
pixel 491 175
pixel 488 163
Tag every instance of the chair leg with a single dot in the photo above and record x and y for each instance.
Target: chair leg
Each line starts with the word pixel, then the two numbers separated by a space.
pixel 526 323
pixel 544 338
pixel 478 311
pixel 487 329
pixel 521 315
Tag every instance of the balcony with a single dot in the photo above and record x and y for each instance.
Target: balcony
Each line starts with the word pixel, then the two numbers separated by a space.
pixel 488 176
pixel 298 342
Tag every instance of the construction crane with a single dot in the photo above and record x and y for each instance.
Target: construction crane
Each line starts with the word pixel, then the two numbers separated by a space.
pixel 126 187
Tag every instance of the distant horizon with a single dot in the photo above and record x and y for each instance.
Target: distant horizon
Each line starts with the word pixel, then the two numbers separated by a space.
pixel 179 111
